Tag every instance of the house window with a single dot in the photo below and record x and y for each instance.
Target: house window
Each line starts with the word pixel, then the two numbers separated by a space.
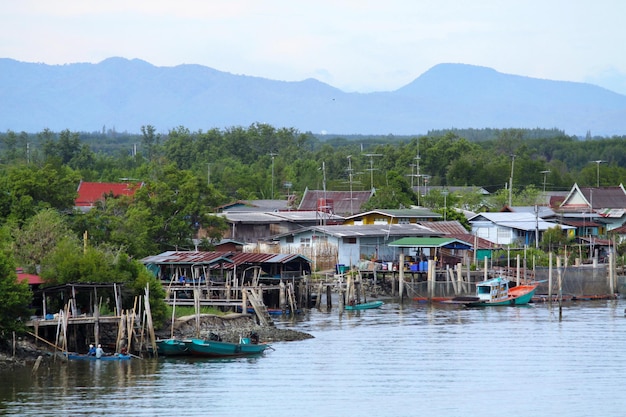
pixel 381 220
pixel 289 239
pixel 305 241
pixel 404 220
pixel 349 240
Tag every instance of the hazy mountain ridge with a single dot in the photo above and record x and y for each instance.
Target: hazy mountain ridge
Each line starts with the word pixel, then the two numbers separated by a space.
pixel 126 94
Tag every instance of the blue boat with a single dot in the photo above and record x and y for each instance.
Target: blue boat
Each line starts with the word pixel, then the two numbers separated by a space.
pixel 82 357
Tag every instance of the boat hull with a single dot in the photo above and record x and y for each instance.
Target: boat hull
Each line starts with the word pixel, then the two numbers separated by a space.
pixel 79 357
pixel 364 306
pixel 172 347
pixel 520 295
pixel 216 349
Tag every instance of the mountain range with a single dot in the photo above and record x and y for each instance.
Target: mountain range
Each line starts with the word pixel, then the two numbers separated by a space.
pixel 124 95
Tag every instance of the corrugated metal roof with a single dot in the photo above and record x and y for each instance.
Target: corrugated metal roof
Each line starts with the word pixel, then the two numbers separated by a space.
pixel 474 241
pixel 520 221
pixel 250 217
pixel 210 258
pixel 370 230
pixel 445 227
pixel 405 213
pixel 343 203
pixel 429 242
pixel 188 257
pixel 278 216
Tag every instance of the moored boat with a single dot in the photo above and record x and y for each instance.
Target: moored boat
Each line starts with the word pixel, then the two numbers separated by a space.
pixel 219 349
pixel 171 347
pixel 496 292
pixel 82 357
pixel 364 306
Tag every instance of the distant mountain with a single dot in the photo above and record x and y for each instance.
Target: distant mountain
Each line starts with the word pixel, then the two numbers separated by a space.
pixel 127 94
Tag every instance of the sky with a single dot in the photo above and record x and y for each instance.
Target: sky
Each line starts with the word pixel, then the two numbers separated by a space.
pixel 353 45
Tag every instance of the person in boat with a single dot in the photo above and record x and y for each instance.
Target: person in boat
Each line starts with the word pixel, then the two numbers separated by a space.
pixel 254 338
pixel 92 350
pixel 99 352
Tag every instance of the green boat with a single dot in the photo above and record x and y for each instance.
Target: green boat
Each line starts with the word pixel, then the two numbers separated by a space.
pixel 364 306
pixel 218 349
pixel 171 347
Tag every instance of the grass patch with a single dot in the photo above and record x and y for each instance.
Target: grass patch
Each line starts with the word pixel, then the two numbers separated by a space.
pixel 189 311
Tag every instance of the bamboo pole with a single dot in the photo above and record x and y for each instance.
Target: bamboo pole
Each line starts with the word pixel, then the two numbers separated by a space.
pixel 550 278
pixel 401 276
pixel 57 347
pixel 174 316
pixel 149 320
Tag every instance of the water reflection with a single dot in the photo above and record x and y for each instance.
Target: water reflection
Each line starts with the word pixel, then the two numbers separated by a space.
pixel 398 360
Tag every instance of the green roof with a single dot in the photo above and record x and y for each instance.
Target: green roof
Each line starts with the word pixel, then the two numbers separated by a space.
pixel 430 242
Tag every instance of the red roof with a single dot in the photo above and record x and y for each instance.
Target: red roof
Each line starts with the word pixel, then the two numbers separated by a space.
pixel 32 279
pixel 91 192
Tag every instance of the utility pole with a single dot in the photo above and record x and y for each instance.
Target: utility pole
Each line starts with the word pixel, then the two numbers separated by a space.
pixel 511 181
pixel 272 154
pixel 598 162
pixel 371 168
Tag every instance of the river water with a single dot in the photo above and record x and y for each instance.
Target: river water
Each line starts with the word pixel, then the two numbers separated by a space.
pixel 400 360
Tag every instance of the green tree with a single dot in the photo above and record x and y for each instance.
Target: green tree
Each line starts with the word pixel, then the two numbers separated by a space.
pixel 554 239
pixel 14 296
pixel 26 189
pixel 37 237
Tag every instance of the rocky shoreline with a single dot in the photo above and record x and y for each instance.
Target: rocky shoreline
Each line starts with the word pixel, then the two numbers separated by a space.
pixel 229 328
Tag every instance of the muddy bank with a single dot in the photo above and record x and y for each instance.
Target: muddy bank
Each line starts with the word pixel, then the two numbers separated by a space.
pixel 229 328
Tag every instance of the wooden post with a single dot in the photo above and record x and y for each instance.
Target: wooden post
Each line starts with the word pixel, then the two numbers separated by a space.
pixel 430 279
pixel 282 299
pixel 149 324
pixel 611 289
pixel 401 277
pixel 196 305
pixel 318 301
pixel 550 278
pixel 485 268
pixel 518 270
pixel 459 276
pixel 560 278
pixel 329 301
pixel 120 331
pixel 244 302
pixel 96 324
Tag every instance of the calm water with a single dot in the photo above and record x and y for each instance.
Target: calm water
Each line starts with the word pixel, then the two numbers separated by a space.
pixel 411 360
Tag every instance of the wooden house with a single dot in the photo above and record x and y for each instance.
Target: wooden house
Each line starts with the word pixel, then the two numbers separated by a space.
pixel 392 216
pixel 521 229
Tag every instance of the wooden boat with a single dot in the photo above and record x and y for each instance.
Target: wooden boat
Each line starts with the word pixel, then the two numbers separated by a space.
pixel 496 292
pixel 81 357
pixel 364 306
pixel 218 349
pixel 171 347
